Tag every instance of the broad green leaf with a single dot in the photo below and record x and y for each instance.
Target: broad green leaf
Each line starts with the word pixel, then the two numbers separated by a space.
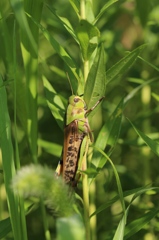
pixel 63 54
pixel 138 224
pixel 70 228
pixel 86 34
pixel 65 23
pixel 108 135
pixel 103 9
pixel 96 81
pixel 54 102
pixel 123 65
pixel 154 146
pixel 5 227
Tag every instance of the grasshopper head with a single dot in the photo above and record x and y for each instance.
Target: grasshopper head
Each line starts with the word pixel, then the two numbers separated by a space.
pixel 76 109
pixel 77 102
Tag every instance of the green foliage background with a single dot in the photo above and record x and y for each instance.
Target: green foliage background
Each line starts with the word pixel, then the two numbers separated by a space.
pixel 30 55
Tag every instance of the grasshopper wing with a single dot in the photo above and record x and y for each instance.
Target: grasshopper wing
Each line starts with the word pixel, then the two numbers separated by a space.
pixel 72 143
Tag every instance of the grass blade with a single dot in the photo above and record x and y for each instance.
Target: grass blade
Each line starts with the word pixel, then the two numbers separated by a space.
pixel 138 224
pixel 103 9
pixel 8 161
pixel 124 64
pixel 154 146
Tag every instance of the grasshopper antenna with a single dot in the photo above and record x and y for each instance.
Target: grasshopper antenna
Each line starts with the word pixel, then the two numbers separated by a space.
pixel 69 82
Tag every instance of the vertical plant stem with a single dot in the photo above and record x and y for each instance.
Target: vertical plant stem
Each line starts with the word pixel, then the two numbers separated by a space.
pixel 17 161
pixel 92 208
pixel 86 194
pixel 82 9
pixel 146 98
pixel 86 69
pixel 85 176
pixel 92 205
pixel 83 16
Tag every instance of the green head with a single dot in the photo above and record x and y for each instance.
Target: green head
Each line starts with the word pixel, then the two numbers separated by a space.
pixel 77 102
pixel 76 109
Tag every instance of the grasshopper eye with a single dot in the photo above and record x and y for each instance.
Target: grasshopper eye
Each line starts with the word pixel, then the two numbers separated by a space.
pixel 76 100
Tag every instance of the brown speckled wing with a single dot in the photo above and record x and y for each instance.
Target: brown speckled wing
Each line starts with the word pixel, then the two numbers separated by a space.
pixel 72 143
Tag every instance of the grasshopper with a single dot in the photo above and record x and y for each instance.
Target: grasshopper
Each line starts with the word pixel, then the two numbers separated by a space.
pixel 76 129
